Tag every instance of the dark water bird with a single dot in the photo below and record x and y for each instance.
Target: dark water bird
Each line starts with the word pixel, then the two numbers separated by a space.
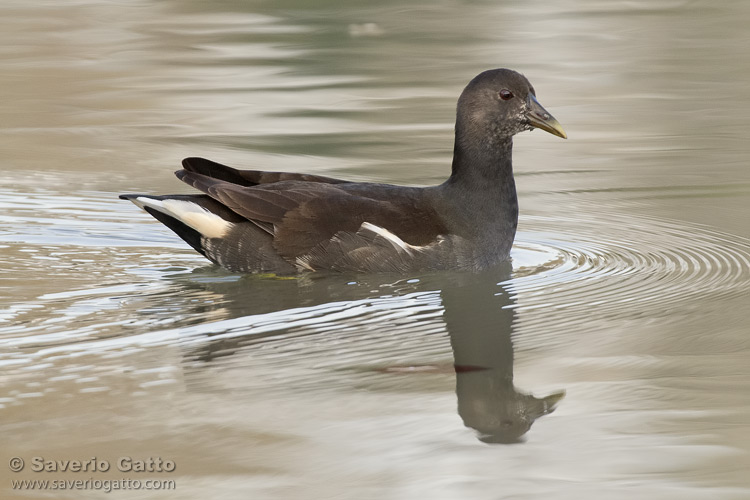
pixel 256 221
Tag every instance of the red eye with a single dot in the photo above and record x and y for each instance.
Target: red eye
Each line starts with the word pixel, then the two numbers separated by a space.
pixel 505 94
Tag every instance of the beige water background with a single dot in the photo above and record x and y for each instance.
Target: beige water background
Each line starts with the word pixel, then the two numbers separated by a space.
pixel 631 275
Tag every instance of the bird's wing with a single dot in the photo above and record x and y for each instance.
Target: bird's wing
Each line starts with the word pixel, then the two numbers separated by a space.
pixel 302 215
pixel 248 177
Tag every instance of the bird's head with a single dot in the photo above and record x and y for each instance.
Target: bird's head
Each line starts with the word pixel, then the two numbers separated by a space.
pixel 502 103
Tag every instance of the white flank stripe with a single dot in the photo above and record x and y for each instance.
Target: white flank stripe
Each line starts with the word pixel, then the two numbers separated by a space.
pixel 302 263
pixel 205 222
pixel 394 240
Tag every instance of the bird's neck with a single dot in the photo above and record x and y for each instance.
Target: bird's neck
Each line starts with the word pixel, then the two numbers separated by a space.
pixel 481 192
pixel 483 168
pixel 481 160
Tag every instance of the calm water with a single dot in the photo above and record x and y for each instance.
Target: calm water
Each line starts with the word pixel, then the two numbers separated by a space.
pixel 621 326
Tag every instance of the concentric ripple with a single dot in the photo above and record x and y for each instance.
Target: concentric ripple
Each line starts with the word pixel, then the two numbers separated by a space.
pixel 606 261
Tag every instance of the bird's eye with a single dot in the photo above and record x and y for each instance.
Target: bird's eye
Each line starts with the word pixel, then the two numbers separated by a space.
pixel 505 94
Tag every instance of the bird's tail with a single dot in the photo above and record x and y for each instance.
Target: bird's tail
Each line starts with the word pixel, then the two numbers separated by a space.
pixel 191 217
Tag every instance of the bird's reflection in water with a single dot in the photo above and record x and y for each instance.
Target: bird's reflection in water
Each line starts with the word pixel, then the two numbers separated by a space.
pixel 477 315
pixel 480 322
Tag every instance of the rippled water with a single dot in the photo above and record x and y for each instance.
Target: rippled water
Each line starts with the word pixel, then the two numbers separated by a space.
pixel 619 330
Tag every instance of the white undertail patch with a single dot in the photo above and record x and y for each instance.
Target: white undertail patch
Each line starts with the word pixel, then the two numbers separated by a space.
pixel 207 223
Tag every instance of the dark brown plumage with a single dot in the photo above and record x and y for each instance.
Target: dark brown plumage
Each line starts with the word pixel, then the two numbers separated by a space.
pixel 253 221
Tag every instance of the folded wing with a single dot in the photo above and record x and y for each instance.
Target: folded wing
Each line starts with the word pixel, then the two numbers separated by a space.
pixel 303 212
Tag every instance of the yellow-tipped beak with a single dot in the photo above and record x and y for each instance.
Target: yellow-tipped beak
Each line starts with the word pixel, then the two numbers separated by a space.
pixel 541 119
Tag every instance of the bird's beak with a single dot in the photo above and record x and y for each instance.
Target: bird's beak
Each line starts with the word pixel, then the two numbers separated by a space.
pixel 540 118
